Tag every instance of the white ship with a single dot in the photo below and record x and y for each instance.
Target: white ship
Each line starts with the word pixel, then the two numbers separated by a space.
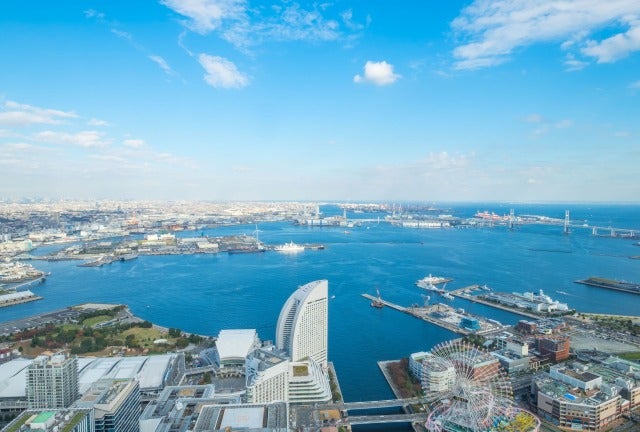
pixel 447 296
pixel 431 280
pixel 429 286
pixel 290 247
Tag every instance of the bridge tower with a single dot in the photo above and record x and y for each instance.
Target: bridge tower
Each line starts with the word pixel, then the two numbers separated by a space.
pixel 566 222
pixel 512 219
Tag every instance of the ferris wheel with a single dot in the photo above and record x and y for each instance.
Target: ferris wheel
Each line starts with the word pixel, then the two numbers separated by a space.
pixel 471 392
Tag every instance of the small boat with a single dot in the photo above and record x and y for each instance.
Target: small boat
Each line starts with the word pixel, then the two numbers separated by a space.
pixel 377 302
pixel 447 296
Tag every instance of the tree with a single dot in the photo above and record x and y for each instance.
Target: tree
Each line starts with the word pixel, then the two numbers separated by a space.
pixel 175 332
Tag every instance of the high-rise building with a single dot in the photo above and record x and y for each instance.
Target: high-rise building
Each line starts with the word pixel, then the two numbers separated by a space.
pixel 52 382
pixel 267 375
pixel 302 325
pixel 116 405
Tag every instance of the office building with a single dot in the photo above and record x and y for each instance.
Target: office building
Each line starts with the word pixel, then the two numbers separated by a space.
pixel 116 405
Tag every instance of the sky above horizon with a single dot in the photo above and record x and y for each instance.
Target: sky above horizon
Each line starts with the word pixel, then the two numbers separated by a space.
pixel 511 100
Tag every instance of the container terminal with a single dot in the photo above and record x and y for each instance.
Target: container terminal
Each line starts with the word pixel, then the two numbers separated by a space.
pixel 611 284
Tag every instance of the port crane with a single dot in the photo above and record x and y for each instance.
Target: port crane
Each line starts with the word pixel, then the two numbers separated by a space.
pixel 426 299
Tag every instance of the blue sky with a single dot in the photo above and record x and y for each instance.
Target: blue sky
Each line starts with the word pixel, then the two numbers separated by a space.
pixel 508 100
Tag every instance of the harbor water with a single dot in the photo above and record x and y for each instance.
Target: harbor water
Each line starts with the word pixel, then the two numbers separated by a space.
pixel 207 293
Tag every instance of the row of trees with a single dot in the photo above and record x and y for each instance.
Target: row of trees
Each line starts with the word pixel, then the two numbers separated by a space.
pixel 408 385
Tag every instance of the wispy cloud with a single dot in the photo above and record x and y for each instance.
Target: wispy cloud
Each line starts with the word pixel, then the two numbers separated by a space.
pixel 81 139
pixel 491 31
pixel 97 122
pixel 563 124
pixel 635 85
pixel 114 28
pixel 244 26
pixel 17 114
pixel 204 16
pixel 133 143
pixel 163 64
pixel 222 73
pixel 534 118
pixel 572 64
pixel 378 73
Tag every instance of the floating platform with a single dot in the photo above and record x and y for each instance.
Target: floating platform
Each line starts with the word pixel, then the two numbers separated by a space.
pixel 599 282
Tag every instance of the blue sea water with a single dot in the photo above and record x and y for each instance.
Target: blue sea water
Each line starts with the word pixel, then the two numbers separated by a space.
pixel 207 293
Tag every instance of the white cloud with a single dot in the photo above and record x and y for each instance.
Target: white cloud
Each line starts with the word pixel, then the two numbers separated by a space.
pixel 573 64
pixel 492 30
pixel 97 122
pixel 617 46
pixel 534 118
pixel 17 114
pixel 205 16
pixel 245 26
pixel 133 143
pixel 379 73
pixel 221 72
pixel 563 124
pixel 81 139
pixel 163 64
pixel 123 34
pixel 90 13
pixel 635 85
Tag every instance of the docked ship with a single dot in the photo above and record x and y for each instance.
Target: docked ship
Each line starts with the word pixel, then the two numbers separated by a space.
pixel 430 283
pixel 490 216
pixel 430 287
pixel 290 247
pixel 431 280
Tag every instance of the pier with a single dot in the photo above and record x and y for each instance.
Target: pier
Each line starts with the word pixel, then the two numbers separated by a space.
pixel 450 318
pixel 386 303
pixel 599 282
pixel 462 293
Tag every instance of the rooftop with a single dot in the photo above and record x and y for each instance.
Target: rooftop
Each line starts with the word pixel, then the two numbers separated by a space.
pixel 236 344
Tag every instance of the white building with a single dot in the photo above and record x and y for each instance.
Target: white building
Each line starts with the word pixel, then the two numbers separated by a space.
pixel 52 382
pixel 302 333
pixel 434 374
pixel 267 375
pixel 302 325
pixel 308 383
pixel 235 345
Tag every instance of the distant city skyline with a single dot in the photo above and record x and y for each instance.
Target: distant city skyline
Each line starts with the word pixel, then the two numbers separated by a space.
pixel 481 100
